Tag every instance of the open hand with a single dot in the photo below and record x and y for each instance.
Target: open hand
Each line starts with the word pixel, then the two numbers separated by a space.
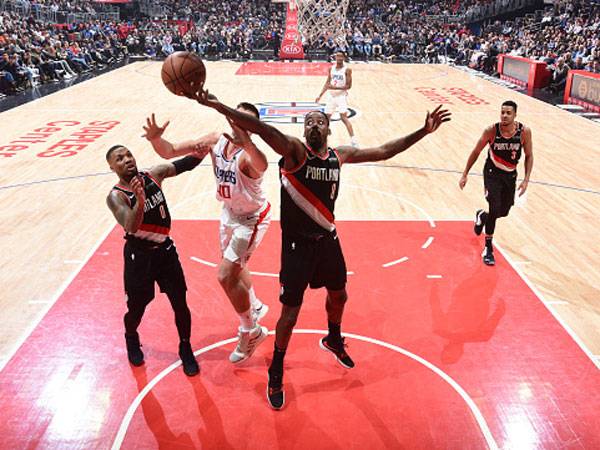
pixel 436 118
pixel 153 131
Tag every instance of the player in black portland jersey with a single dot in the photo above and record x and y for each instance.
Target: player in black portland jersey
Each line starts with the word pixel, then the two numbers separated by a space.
pixel 506 139
pixel 311 254
pixel 139 205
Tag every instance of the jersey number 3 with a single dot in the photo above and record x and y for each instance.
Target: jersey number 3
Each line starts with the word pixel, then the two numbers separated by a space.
pixel 224 191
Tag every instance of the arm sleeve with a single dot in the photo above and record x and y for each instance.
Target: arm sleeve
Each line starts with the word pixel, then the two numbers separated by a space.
pixel 185 164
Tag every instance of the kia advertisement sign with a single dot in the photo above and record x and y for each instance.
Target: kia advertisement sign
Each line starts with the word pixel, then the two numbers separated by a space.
pixel 291 44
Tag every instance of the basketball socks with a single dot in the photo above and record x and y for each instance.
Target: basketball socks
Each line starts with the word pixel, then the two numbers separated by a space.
pixel 254 302
pixel 488 252
pixel 334 332
pixel 246 320
pixel 278 355
pixel 188 360
pixel 275 394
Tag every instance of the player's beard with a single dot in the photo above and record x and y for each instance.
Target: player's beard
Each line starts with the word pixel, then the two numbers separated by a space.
pixel 314 139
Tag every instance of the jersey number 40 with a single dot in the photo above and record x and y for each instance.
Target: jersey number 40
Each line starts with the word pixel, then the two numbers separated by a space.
pixel 224 191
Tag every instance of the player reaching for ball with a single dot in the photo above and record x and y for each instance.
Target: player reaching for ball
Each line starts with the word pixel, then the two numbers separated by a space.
pixel 311 254
pixel 238 167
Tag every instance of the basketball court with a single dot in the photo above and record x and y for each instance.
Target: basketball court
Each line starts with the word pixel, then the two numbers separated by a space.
pixel 449 353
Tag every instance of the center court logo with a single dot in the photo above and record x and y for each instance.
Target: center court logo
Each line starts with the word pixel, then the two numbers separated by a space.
pixel 293 112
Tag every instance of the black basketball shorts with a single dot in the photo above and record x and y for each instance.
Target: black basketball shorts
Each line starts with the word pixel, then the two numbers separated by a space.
pixel 145 265
pixel 306 262
pixel 500 188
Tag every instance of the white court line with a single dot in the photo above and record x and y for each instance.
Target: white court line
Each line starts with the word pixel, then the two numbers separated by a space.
pixel 539 295
pixel 53 300
pixel 522 262
pixel 201 261
pixel 556 302
pixel 265 274
pixel 398 261
pixel 260 274
pixel 427 242
pixel 483 426
pixel 401 199
pixel 189 199
pixel 434 276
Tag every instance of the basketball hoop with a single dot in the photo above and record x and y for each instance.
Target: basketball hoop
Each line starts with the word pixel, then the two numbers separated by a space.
pixel 317 18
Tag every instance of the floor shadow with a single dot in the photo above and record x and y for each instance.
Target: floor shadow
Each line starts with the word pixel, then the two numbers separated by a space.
pixel 154 416
pixel 212 434
pixel 471 316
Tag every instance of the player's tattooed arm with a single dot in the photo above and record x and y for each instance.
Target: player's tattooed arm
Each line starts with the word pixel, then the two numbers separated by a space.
pixel 129 218
pixel 185 164
pixel 390 149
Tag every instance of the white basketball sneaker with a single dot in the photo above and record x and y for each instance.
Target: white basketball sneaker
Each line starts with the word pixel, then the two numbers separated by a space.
pixel 247 343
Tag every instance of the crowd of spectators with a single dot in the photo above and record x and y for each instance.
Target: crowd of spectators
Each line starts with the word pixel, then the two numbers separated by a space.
pixel 567 37
pixel 34 51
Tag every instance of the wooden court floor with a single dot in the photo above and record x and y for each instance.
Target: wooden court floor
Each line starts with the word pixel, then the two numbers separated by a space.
pixel 54 178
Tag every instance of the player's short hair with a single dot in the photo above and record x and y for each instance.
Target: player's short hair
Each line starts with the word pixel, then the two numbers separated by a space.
pixel 317 111
pixel 112 149
pixel 249 107
pixel 510 103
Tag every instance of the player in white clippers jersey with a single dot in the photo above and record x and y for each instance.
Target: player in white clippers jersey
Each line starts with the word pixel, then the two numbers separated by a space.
pixel 238 167
pixel 339 81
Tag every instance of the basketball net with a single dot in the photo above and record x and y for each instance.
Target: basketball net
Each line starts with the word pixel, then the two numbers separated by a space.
pixel 322 18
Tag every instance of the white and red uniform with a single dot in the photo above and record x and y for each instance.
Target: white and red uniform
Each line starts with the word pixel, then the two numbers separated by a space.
pixel 246 212
pixel 338 99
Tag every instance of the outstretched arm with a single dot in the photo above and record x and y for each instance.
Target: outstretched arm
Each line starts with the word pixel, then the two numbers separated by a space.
pixel 185 164
pixel 168 150
pixel 286 146
pixel 481 143
pixel 392 148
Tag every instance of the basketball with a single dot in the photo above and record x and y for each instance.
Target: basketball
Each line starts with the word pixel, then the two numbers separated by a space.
pixel 183 73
